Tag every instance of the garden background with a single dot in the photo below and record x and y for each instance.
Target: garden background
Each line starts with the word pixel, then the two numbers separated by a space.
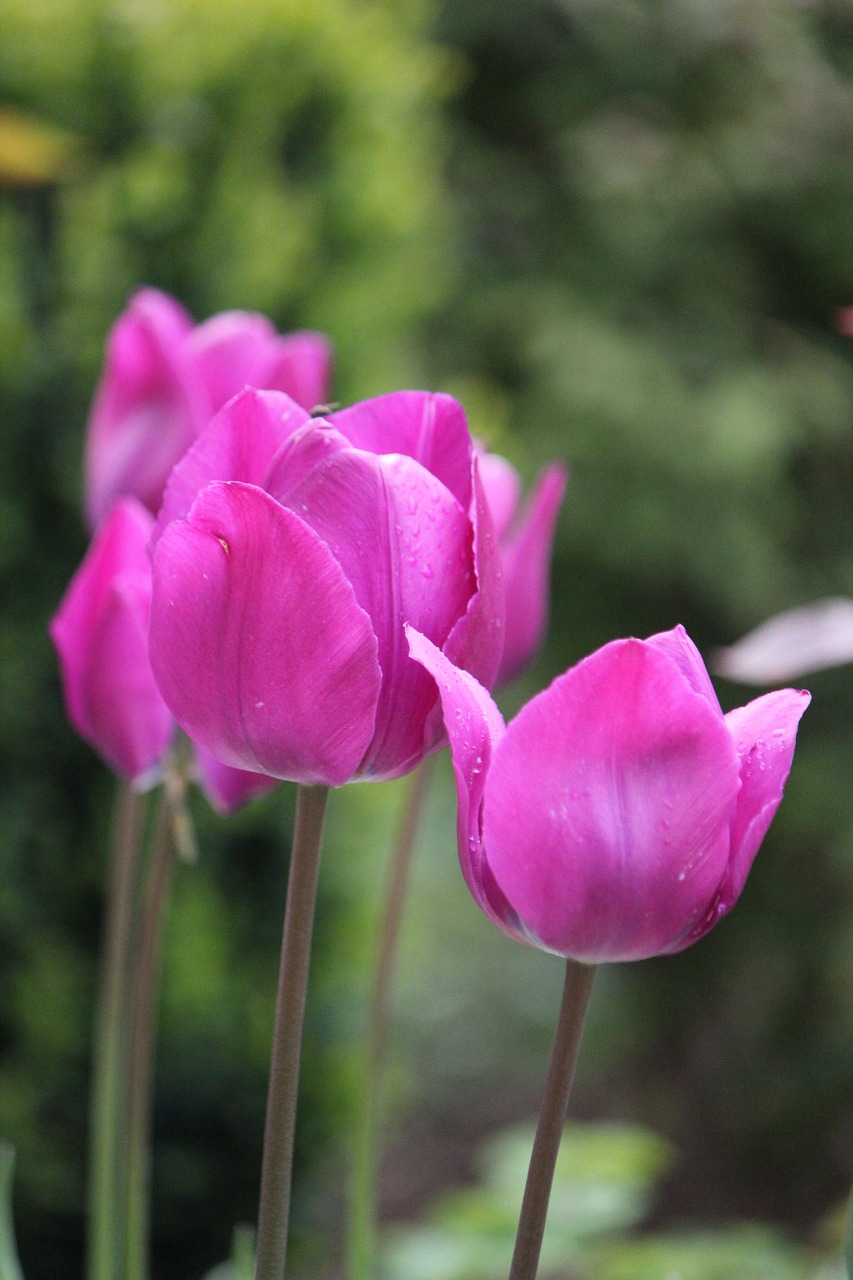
pixel 620 232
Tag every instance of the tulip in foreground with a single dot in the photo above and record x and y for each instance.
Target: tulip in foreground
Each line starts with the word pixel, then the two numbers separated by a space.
pixel 163 380
pixel 618 815
pixel 288 555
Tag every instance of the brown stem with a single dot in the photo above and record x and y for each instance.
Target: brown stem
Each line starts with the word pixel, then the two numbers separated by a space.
pixel 564 1055
pixel 276 1171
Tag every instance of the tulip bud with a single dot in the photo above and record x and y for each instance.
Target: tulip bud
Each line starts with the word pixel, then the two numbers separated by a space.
pixel 618 814
pixel 163 381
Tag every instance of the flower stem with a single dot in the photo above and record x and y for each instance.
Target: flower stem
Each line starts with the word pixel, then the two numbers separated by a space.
pixel 142 1039
pixel 537 1192
pixel 276 1170
pixel 361 1241
pixel 107 1185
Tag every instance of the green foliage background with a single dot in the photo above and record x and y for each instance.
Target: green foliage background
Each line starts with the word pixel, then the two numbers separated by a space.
pixel 620 231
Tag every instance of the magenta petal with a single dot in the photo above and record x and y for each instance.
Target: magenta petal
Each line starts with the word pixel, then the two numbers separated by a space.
pixel 526 556
pixel 295 461
pixel 257 640
pixel 230 351
pixel 764 733
pixel 405 546
pixel 237 445
pixel 148 407
pixel 678 646
pixel 476 642
pixel 300 364
pixel 503 489
pixel 432 429
pixel 228 789
pixel 475 727
pixel 606 821
pixel 101 634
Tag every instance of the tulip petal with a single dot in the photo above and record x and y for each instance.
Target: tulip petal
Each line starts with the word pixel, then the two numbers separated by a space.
pixel 404 544
pixel 606 820
pixel 238 444
pixel 792 644
pixel 526 557
pixel 430 428
pixel 149 405
pixel 258 643
pixel 475 727
pixel 683 652
pixel 308 447
pixel 230 351
pixel 764 733
pixel 228 789
pixel 300 364
pixel 502 485
pixel 101 634
pixel 476 642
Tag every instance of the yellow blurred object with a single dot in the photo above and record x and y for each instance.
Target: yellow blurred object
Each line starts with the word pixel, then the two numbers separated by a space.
pixel 32 154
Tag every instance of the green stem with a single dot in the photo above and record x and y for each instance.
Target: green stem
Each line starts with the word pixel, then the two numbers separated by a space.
pixel 276 1170
pixel 107 1186
pixel 558 1086
pixel 142 1039
pixel 10 1267
pixel 361 1241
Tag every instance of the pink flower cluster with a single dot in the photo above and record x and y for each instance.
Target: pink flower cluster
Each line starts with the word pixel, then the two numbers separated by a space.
pixel 327 598
pixel 252 566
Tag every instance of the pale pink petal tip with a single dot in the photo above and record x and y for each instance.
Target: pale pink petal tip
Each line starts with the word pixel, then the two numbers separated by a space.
pixel 792 644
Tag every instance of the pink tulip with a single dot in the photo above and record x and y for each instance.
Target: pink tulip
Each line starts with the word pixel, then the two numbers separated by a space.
pixel 101 635
pixel 289 553
pixel 163 381
pixel 618 815
pixel 526 537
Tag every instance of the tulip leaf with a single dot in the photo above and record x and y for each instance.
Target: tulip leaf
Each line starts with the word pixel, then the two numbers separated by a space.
pixel 603 1184
pixel 10 1267
pixel 848 1238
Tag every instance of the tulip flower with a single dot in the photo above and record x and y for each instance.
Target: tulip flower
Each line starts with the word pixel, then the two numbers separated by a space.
pixel 101 635
pixel 165 378
pixel 526 536
pixel 288 555
pixel 617 816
